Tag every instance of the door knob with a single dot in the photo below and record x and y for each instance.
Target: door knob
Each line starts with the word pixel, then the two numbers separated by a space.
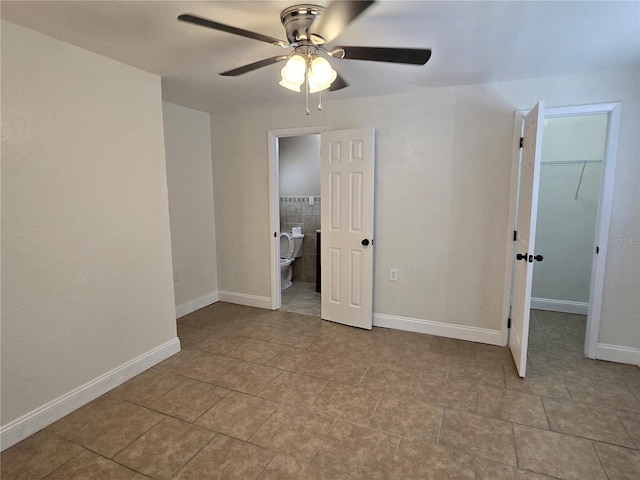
pixel 538 258
pixel 521 256
pixel 365 242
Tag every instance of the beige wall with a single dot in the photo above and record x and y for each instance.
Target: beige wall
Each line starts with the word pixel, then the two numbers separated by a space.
pixel 188 152
pixel 86 254
pixel 442 195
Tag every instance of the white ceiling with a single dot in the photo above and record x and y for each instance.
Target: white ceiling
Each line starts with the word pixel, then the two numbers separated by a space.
pixel 472 42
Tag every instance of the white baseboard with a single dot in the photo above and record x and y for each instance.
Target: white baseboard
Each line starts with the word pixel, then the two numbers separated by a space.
pixel 564 306
pixel 619 354
pixel 461 332
pixel 245 299
pixel 196 304
pixel 53 411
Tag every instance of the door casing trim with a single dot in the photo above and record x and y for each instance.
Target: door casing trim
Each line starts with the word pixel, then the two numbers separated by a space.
pixel 596 289
pixel 274 201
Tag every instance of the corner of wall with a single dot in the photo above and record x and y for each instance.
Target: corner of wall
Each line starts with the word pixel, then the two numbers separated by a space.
pixel 196 304
pixel 54 410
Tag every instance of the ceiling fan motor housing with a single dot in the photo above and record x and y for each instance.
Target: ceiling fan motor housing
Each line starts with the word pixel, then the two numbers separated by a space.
pixel 297 19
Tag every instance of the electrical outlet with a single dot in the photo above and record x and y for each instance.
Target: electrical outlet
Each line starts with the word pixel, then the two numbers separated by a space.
pixel 393 274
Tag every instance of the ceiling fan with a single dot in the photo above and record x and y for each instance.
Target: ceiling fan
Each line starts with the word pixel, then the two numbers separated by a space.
pixel 309 28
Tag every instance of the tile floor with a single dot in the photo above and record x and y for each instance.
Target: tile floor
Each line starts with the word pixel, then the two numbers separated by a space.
pixel 302 298
pixel 256 394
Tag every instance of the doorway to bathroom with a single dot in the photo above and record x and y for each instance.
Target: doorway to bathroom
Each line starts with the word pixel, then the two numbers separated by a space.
pixel 346 219
pixel 295 186
pixel 299 196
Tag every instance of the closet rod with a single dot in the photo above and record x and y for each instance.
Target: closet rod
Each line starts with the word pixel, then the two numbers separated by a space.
pixel 570 162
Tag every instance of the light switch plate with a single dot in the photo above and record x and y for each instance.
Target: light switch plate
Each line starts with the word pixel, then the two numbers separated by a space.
pixel 393 274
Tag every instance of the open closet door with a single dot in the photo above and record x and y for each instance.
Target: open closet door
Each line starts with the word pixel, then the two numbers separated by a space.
pixel 526 236
pixel 347 174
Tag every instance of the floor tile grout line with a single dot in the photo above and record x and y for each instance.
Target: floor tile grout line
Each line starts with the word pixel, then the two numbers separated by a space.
pixel 365 372
pixel 196 454
pixel 546 414
pixel 605 442
pixel 108 459
pixel 195 422
pixel 267 465
pixel 515 445
pixel 84 449
pixel 577 436
pixel 169 415
pixel 324 439
pixel 537 473
pixel 185 380
pixel 248 440
pixel 608 442
pixel 440 426
pixel 375 408
pixel 635 443
pixel 593 445
pixel 137 438
pixel 395 452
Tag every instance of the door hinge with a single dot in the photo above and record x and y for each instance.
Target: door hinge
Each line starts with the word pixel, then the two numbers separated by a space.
pixel 509 323
pixel 521 142
pixel 597 250
pixel 515 235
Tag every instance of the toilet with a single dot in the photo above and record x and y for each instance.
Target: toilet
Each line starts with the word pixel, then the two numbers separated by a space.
pixel 290 249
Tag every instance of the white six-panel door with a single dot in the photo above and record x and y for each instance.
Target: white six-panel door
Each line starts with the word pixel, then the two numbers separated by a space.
pixel 347 176
pixel 526 236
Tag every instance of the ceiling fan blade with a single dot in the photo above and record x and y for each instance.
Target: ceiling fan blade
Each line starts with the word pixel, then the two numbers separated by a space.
pixel 338 84
pixel 413 56
pixel 335 18
pixel 254 66
pixel 229 29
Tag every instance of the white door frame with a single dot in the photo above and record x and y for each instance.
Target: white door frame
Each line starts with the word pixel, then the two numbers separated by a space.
pixel 274 202
pixel 603 219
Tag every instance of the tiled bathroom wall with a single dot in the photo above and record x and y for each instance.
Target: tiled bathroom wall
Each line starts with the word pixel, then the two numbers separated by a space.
pixel 295 211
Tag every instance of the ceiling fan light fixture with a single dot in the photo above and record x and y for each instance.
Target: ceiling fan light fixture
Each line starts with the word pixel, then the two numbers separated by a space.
pixel 293 73
pixel 309 29
pixel 321 75
pixel 291 86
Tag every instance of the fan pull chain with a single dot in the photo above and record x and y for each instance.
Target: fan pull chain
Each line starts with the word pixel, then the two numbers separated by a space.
pixel 306 85
pixel 320 100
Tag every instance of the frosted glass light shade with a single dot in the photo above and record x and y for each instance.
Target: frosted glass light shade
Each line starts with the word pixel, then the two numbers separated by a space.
pixel 291 86
pixel 321 75
pixel 293 73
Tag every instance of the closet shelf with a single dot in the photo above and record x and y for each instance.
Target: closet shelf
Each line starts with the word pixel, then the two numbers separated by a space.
pixel 570 162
